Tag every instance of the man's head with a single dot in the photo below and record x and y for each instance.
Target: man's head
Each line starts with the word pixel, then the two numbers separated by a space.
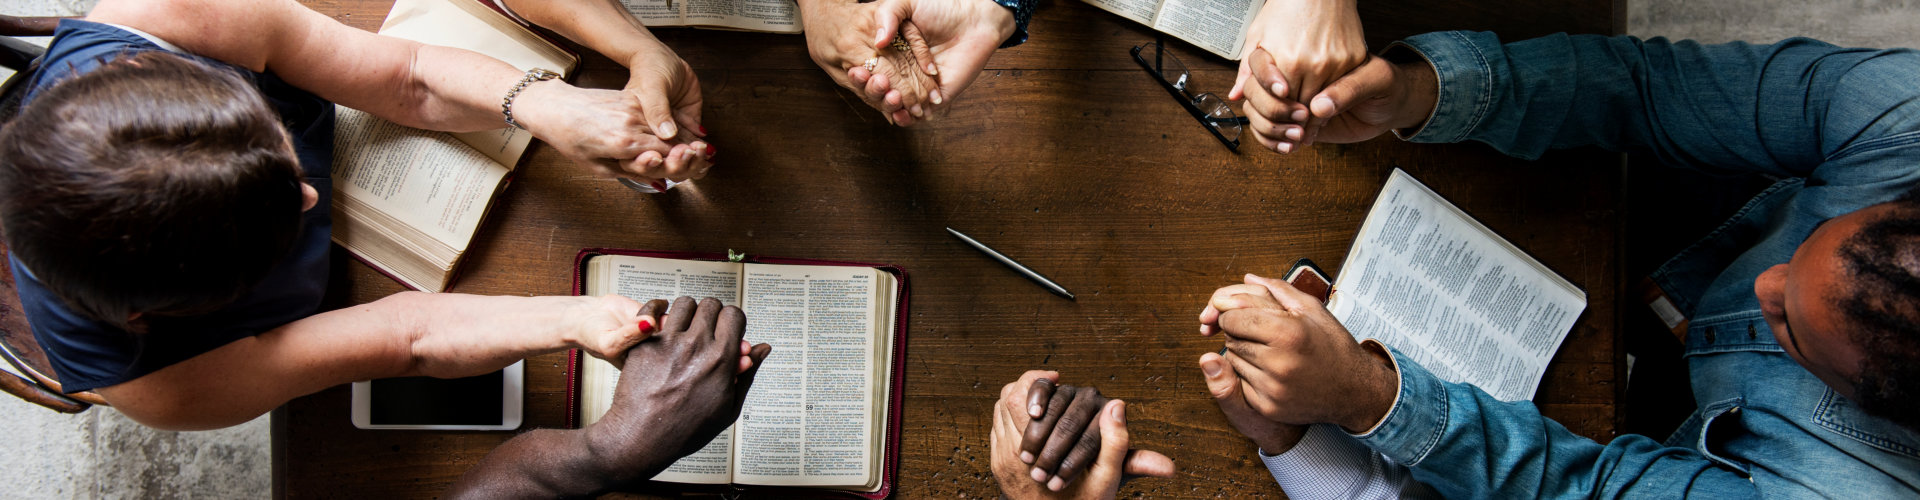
pixel 153 185
pixel 1847 307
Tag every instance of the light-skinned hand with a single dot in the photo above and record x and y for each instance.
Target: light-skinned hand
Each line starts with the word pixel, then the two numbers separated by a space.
pixel 951 40
pixel 607 132
pixel 1293 49
pixel 841 38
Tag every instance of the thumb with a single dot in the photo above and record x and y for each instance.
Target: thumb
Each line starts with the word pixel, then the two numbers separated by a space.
pixel 1114 454
pixel 922 50
pixel 1222 382
pixel 1264 70
pixel 1240 81
pixel 1370 80
pixel 1148 463
pixel 658 111
pixel 1113 437
pixel 888 17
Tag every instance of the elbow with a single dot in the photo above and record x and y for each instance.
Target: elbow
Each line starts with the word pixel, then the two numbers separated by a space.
pixel 178 410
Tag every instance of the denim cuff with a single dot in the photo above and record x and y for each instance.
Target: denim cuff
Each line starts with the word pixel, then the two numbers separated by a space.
pixel 1413 426
pixel 1465 80
pixel 1324 464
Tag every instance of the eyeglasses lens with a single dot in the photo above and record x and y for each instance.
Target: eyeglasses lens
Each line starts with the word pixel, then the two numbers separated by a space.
pixel 1219 114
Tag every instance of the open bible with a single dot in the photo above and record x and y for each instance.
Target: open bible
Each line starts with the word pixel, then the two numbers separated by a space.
pixel 1463 302
pixel 822 413
pixel 773 16
pixel 1220 26
pixel 408 201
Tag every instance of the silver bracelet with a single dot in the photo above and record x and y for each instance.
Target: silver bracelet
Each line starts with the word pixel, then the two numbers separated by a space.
pixel 533 75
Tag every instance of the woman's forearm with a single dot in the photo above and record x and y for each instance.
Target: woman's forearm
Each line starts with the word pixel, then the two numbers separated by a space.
pixel 456 335
pixel 411 333
pixel 604 26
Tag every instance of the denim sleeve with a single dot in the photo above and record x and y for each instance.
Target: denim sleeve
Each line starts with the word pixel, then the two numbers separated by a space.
pixel 1785 109
pixel 1466 444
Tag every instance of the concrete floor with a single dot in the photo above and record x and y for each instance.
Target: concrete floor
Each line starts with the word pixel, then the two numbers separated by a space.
pixel 102 454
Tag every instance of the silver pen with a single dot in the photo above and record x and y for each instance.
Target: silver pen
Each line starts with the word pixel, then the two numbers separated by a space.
pixel 1036 277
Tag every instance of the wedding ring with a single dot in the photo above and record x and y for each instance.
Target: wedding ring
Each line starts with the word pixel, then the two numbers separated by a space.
pixel 872 64
pixel 900 44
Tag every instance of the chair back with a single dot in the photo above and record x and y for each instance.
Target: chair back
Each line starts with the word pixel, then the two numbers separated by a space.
pixel 25 371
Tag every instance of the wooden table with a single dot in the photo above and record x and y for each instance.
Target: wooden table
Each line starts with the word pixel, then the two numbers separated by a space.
pixel 1065 155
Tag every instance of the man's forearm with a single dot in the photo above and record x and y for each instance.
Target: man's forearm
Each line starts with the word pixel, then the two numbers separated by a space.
pixel 543 463
pixel 1435 426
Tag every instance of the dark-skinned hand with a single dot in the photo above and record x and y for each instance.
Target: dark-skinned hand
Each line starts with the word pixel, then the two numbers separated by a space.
pixel 1105 461
pixel 683 386
pixel 1064 436
pixel 678 389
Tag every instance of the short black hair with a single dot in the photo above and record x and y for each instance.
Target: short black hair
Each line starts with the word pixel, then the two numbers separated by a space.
pixel 155 184
pixel 1883 259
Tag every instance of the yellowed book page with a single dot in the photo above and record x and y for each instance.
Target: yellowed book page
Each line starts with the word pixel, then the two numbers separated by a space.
pixel 424 179
pixel 778 16
pixel 1430 281
pixel 885 307
pixel 1140 11
pixel 657 12
pixel 808 421
pixel 646 278
pixel 467 24
pixel 1220 26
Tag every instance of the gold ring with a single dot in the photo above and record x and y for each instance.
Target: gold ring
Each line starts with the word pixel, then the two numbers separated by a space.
pixel 900 44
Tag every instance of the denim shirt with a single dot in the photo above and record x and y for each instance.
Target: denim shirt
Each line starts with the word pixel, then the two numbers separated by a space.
pixel 1838 126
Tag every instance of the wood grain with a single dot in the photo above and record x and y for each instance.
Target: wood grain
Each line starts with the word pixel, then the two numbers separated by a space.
pixel 1064 155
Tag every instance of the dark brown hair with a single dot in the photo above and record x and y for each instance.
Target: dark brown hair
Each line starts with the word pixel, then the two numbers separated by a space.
pixel 154 184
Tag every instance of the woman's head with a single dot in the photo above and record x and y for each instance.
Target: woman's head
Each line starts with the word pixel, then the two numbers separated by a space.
pixel 154 185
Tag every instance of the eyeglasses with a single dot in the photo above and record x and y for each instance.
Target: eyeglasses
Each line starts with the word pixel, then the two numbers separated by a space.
pixel 1212 111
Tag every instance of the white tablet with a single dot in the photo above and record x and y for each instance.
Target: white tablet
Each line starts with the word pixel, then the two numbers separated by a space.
pixel 490 402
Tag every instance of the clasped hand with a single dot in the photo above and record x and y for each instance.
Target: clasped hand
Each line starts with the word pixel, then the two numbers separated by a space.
pixel 949 42
pixel 649 131
pixel 680 387
pixel 1296 364
pixel 1046 436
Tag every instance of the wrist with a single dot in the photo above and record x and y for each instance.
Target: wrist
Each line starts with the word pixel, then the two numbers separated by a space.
pixel 576 321
pixel 1274 444
pixel 1010 19
pixel 1419 90
pixel 532 104
pixel 1378 390
pixel 644 49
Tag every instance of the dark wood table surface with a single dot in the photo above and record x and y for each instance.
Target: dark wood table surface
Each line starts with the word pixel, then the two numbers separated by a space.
pixel 1065 155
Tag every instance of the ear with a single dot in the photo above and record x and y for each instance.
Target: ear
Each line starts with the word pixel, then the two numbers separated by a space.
pixel 308 197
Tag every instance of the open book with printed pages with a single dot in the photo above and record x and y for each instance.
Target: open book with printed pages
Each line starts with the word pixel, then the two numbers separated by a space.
pixel 772 16
pixel 1438 286
pixel 822 418
pixel 408 201
pixel 1220 26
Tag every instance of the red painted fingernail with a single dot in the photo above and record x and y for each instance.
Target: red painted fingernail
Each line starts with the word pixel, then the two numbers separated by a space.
pixel 660 186
pixel 646 325
pixel 703 129
pixel 711 151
